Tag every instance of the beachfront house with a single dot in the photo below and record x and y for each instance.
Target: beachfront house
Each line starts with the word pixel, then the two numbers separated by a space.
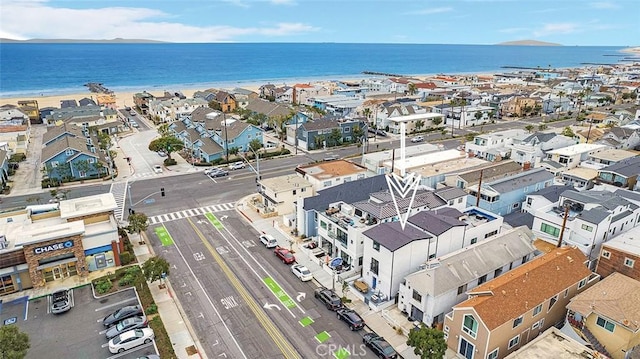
pixel 31 109
pixel 440 283
pixel 15 129
pixel 141 101
pixel 72 159
pixel 505 313
pixel 225 101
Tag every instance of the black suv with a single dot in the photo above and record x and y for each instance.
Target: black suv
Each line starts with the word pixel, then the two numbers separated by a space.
pixel 329 298
pixel 379 346
pixel 352 318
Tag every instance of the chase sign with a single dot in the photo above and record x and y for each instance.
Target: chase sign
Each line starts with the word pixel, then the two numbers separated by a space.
pixel 53 247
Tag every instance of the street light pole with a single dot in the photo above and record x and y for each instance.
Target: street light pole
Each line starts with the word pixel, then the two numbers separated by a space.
pixel 226 139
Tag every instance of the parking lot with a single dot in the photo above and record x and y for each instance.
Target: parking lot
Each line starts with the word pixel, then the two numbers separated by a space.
pixel 78 333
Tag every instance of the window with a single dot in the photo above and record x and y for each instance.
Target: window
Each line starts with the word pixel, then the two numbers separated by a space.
pixel 374 265
pixel 326 183
pixel 516 205
pixel 460 200
pixel 417 296
pixel 548 229
pixel 553 301
pixel 582 283
pixel 524 259
pixel 492 233
pixel 341 236
pixel 466 349
pixel 294 192
pixel 529 201
pixel 537 310
pixel 462 289
pixel 513 342
pixel 323 225
pixel 482 279
pixel 566 292
pixel 474 240
pixel 493 354
pixel 376 246
pixel 54 164
pixel 497 272
pixel 347 129
pixel 601 322
pixel 535 326
pixel 629 262
pixel 517 322
pixel 470 325
pixel 69 152
pixel 445 329
pixel 587 228
pixel 91 160
pixel 606 254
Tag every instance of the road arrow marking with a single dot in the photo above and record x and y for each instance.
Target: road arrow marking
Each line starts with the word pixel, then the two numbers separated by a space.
pixel 271 306
pixel 301 296
pixel 224 217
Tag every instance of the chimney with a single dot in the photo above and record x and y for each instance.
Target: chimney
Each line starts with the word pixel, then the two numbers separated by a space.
pixel 526 166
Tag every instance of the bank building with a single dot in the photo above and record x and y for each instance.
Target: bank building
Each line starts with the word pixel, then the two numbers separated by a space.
pixel 45 243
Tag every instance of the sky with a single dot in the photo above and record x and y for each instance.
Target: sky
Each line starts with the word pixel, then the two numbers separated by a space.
pixel 483 22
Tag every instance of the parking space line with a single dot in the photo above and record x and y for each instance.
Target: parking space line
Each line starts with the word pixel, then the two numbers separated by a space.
pixel 115 304
pixel 130 350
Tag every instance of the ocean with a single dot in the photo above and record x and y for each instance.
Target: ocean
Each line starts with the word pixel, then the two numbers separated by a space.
pixel 52 69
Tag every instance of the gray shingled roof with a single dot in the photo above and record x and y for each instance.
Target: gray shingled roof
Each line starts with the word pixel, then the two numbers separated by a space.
pixel 435 223
pixel 209 146
pixel 348 192
pixel 268 108
pixel 56 131
pixel 521 180
pixel 383 207
pixel 449 193
pixel 517 219
pixel 606 199
pixel 628 167
pixel 552 193
pixel 391 235
pixel 540 137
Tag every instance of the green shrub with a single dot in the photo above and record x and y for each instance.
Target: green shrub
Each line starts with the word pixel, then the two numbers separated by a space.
pixel 169 162
pixel 128 279
pixel 133 271
pixel 152 309
pixel 126 258
pixel 17 157
pixel 103 286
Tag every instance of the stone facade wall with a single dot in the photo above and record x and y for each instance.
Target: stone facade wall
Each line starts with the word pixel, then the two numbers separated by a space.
pixel 37 277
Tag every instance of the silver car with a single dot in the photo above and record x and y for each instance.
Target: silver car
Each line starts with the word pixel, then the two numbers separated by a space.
pixel 126 325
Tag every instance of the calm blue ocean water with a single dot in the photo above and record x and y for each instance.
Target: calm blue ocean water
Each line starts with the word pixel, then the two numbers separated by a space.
pixel 34 69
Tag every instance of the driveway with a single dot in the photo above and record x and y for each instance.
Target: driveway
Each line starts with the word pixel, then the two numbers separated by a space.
pixel 28 177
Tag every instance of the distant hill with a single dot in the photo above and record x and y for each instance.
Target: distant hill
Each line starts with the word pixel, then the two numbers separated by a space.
pixel 81 41
pixel 529 43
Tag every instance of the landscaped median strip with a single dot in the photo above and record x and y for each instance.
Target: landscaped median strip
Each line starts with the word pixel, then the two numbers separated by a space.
pixel 165 237
pixel 282 296
pixel 216 223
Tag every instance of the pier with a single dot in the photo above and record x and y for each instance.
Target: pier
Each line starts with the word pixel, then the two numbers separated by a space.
pixel 97 88
pixel 381 74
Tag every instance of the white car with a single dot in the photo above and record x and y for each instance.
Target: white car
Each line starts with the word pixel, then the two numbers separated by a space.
pixel 302 272
pixel 157 169
pixel 237 165
pixel 268 240
pixel 130 339
pixel 417 139
pixel 211 169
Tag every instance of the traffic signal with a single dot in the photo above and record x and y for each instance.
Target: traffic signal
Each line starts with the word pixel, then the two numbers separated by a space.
pixel 162 191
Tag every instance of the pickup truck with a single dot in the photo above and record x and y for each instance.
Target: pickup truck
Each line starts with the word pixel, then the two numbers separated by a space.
pixel 60 301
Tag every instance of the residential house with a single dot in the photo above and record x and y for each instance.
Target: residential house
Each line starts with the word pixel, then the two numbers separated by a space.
pixel 494 146
pixel 207 150
pixel 622 174
pixel 388 110
pixel 620 138
pixel 608 157
pixel 608 315
pixel 31 109
pixel 489 172
pixel 56 133
pixel 15 129
pixel 226 101
pixel 552 104
pixel 337 105
pixel 269 109
pixel 415 123
pixel 544 197
pixel 588 218
pixel 331 173
pixel 509 311
pixel 554 343
pixel 173 108
pixel 243 96
pixel 380 161
pixel 505 195
pixel 469 116
pixel 520 105
pixel 233 134
pixel 267 91
pixel 277 195
pixel 590 134
pixel 621 254
pixel 4 170
pixel 534 148
pixel 73 158
pixel 68 104
pixel 579 177
pixel 429 293
pixel 87 102
pixel 329 132
pixel 302 93
pixel 142 100
pixel 561 159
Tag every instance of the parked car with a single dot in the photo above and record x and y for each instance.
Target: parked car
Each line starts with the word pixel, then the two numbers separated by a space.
pixel 162 153
pixel 237 165
pixel 330 299
pixel 211 169
pixel 133 124
pixel 157 168
pixel 417 139
pixel 130 339
pixel 268 241
pixel 353 319
pixel 331 158
pixel 219 173
pixel 125 325
pixel 122 313
pixel 302 272
pixel 284 254
pixel 379 346
pixel 60 301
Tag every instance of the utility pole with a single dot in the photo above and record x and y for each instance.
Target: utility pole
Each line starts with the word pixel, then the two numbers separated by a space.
pixel 564 224
pixel 226 139
pixel 295 141
pixel 479 188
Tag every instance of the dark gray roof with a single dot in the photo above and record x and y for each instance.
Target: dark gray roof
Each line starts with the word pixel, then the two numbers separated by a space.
pixel 521 180
pixel 348 192
pixel 449 212
pixel 630 195
pixel 391 235
pixel 449 193
pixel 628 167
pixel 539 137
pixel 381 205
pixel 492 172
pixel 435 223
pixel 594 215
pixel 320 125
pixel 606 199
pixel 517 219
pixel 552 193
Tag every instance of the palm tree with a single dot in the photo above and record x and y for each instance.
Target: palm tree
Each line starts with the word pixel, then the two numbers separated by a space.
pixel 529 128
pixel 419 124
pixel 412 89
pixel 560 94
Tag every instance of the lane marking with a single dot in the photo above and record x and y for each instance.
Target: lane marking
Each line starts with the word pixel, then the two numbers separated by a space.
pixel 279 293
pixel 163 235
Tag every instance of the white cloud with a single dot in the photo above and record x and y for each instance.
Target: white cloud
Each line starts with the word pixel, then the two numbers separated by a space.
pixel 120 22
pixel 559 28
pixel 435 10
pixel 604 5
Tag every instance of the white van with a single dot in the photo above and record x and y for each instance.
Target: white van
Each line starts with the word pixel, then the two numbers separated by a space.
pixel 268 241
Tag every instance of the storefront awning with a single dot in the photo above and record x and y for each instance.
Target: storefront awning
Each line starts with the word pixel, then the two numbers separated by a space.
pixel 57 263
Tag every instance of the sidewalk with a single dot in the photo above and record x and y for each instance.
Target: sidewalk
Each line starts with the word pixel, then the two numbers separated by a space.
pixel 383 323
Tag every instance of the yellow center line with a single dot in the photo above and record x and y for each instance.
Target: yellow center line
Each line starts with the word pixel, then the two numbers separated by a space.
pixel 276 335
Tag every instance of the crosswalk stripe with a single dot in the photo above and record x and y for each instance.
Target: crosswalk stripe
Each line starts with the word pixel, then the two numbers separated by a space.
pixel 153 220
pixel 164 217
pixel 189 212
pixel 161 218
pixel 198 210
pixel 179 215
